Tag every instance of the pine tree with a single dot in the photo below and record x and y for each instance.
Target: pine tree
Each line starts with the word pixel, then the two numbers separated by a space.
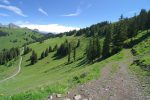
pixel 107 42
pixel 142 19
pixel 46 52
pixel 74 53
pixel 33 58
pixel 50 49
pixel 93 49
pixel 98 48
pixel 42 55
pixel 78 44
pixel 148 21
pixel 69 52
pixel 55 47
pixel 117 41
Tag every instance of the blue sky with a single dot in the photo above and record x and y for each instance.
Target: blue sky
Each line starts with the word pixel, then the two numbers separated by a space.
pixel 64 15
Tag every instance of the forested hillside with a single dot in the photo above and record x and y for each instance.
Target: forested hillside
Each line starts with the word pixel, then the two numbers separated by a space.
pixel 58 63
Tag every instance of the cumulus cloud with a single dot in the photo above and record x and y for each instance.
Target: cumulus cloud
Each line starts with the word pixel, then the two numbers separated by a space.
pixel 14 9
pixel 42 11
pixel 5 1
pixel 77 13
pixel 21 22
pixel 3 15
pixel 55 28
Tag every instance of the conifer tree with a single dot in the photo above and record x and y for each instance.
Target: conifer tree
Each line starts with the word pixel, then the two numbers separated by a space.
pixel 50 49
pixel 42 55
pixel 69 52
pixel 33 58
pixel 107 42
pixel 78 44
pixel 74 53
pixel 46 52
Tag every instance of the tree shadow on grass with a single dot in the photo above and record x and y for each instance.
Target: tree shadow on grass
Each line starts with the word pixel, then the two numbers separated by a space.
pixel 56 57
pixel 136 41
pixel 28 65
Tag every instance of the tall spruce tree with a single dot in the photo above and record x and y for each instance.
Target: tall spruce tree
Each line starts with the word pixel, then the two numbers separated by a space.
pixel 98 48
pixel 74 53
pixel 42 55
pixel 107 43
pixel 93 49
pixel 69 52
pixel 33 58
pixel 46 52
pixel 50 49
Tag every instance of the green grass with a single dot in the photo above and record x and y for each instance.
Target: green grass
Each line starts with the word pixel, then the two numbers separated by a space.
pixel 9 68
pixel 17 35
pixel 60 79
pixel 142 50
pixel 51 75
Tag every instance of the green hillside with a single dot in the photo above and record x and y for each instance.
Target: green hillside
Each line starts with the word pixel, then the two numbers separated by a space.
pixel 17 37
pixel 55 75
pixel 70 63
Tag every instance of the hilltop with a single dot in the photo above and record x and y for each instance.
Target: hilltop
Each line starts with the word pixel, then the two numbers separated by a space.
pixel 14 36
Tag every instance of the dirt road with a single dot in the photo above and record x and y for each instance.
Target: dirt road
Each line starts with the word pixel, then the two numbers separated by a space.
pixel 18 69
pixel 121 85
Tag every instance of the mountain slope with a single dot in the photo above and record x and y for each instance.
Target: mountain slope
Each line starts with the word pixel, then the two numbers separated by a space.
pixel 55 75
pixel 16 37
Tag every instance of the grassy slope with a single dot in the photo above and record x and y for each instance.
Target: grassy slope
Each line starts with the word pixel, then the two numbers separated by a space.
pixel 50 71
pixel 6 42
pixel 8 69
pixel 16 34
pixel 51 75
pixel 143 54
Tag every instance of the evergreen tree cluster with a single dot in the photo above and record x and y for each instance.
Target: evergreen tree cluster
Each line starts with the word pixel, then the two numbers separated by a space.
pixel 117 33
pixel 33 58
pixel 66 48
pixel 63 49
pixel 96 29
pixel 27 50
pixel 126 28
pixel 93 49
pixel 3 33
pixel 46 52
pixel 7 55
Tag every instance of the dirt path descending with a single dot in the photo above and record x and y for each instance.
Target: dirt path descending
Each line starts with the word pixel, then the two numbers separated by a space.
pixel 121 85
pixel 18 69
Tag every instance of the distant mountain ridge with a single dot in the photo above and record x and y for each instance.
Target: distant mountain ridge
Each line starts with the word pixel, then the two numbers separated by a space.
pixel 10 25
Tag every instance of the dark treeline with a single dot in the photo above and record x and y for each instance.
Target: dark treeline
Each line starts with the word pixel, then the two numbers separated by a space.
pixel 47 51
pixel 93 49
pixel 33 58
pixel 63 49
pixel 7 55
pixel 117 33
pixel 66 48
pixel 3 33
pixel 27 50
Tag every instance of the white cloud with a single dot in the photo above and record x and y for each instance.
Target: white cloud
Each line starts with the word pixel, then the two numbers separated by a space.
pixel 3 15
pixel 42 11
pixel 14 9
pixel 77 13
pixel 21 22
pixel 55 28
pixel 5 1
